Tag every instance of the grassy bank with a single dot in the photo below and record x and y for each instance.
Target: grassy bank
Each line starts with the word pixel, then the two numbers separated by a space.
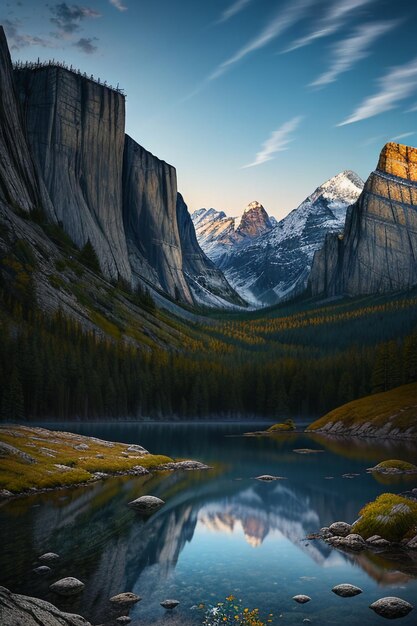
pixel 392 413
pixel 36 458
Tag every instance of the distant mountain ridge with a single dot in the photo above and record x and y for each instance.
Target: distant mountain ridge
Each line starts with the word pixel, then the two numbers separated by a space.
pixel 275 262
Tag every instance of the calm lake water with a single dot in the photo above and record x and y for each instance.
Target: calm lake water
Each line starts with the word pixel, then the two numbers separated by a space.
pixel 220 532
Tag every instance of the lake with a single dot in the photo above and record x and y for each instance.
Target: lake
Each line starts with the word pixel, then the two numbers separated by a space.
pixel 220 532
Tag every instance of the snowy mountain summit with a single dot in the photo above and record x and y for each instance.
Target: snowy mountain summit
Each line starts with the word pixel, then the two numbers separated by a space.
pixel 273 260
pixel 220 235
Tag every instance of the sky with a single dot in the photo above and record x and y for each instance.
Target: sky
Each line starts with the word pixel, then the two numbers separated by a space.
pixel 249 99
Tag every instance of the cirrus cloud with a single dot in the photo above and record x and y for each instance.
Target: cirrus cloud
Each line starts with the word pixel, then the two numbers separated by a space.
pixel 277 142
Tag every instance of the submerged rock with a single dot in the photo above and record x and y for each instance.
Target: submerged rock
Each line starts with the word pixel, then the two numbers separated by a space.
pixel 269 478
pixel 301 599
pixel 170 604
pixel 183 465
pixel 67 586
pixel 391 607
pixel 346 591
pixel 147 504
pixel 340 529
pixel 125 599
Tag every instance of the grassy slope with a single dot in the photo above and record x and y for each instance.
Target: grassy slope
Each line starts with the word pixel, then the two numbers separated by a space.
pixel 50 449
pixel 398 406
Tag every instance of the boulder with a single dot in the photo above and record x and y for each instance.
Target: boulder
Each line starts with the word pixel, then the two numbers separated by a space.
pixel 301 599
pixel 42 569
pixel 123 619
pixel 147 504
pixel 17 610
pixel 67 586
pixel 346 591
pixel 391 607
pixel 378 542
pixel 412 544
pixel 268 478
pixel 340 529
pixel 125 599
pixel 170 604
pixel 48 557
pixel 137 449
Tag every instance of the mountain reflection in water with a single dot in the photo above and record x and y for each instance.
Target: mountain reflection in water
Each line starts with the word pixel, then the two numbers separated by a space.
pixel 219 530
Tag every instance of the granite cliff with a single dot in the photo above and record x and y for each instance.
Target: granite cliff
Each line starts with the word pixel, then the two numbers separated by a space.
pixel 66 160
pixel 377 252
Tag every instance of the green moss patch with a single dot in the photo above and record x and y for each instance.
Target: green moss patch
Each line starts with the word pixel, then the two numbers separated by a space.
pixel 392 517
pixel 61 458
pixel 394 464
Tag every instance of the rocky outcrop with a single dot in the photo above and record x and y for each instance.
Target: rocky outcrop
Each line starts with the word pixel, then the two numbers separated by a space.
pixel 17 610
pixel 20 185
pixel 206 281
pixel 75 128
pixel 378 250
pixel 150 218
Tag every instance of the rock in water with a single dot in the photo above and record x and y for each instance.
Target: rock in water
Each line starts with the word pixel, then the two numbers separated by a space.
pixel 412 544
pixel 17 610
pixel 377 542
pixel 49 557
pixel 340 529
pixel 125 599
pixel 123 619
pixel 391 607
pixel 42 569
pixel 170 604
pixel 147 504
pixel 346 591
pixel 301 599
pixel 67 586
pixel 267 478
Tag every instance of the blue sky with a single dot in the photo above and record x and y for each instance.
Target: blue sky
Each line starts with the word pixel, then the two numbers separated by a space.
pixel 249 99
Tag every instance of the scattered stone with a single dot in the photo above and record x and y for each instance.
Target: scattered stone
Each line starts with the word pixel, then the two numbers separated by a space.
pixel 183 465
pixel 351 542
pixel 378 542
pixel 137 449
pixel 412 544
pixel 5 493
pixel 269 478
pixel 67 586
pixel 100 475
pixel 125 599
pixel 346 591
pixel 8 450
pixel 147 504
pixel 99 456
pixel 124 619
pixel 138 470
pixel 42 569
pixel 301 599
pixel 340 529
pixel 391 607
pixel 82 446
pixel 170 604
pixel 306 451
pixel 48 557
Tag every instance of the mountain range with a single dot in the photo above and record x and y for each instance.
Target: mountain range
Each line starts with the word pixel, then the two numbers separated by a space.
pixel 273 262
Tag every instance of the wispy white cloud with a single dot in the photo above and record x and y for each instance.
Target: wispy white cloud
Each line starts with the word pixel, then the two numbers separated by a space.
pixel 330 23
pixel 231 11
pixel 412 109
pixel 277 142
pixel 398 84
pixel 403 135
pixel 278 25
pixel 353 49
pixel 118 4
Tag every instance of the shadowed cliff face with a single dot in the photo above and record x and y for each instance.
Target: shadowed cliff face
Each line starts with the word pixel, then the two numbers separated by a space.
pixel 378 250
pixel 20 185
pixel 205 279
pixel 75 129
pixel 149 209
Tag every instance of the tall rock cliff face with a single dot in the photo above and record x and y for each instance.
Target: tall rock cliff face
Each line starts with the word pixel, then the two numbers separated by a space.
pixel 20 185
pixel 207 282
pixel 378 250
pixel 75 129
pixel 150 218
